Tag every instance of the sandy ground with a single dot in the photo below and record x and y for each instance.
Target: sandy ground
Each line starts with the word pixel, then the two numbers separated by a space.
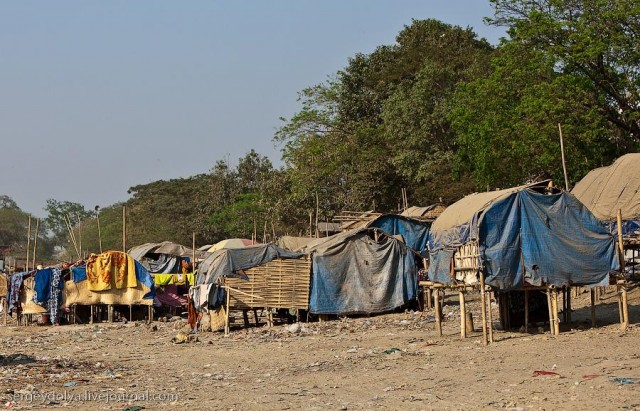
pixel 392 361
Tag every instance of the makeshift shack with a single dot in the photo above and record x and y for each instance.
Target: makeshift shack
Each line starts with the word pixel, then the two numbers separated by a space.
pixel 260 276
pixel 171 267
pixel 612 194
pixel 110 279
pixel 361 271
pixel 522 238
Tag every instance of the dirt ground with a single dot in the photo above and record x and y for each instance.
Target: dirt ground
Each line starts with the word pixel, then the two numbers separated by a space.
pixel 392 361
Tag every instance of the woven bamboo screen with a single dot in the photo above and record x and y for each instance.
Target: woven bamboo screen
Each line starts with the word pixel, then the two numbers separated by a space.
pixel 279 283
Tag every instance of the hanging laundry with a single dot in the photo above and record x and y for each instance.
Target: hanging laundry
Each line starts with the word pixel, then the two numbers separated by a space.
pixel 112 268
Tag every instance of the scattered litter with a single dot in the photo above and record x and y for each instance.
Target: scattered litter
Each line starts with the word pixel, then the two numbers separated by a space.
pixel 625 380
pixel 391 350
pixel 542 372
pixel 591 376
pixel 70 384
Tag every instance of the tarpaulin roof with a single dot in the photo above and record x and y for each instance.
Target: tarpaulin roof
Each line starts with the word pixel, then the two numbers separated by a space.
pixel 353 273
pixel 606 190
pixel 229 243
pixel 294 243
pixel 227 262
pixel 415 233
pixel 522 235
pixel 165 247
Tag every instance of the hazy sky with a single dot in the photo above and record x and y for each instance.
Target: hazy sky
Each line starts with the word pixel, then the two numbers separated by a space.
pixel 98 96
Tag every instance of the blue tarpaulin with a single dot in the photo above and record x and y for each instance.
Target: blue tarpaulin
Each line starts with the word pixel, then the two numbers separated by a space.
pixel 526 235
pixel 414 233
pixel 353 273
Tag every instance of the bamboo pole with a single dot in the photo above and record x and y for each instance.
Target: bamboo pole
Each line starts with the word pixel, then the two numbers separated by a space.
pixel 564 165
pixel 526 311
pixel 625 306
pixel 35 243
pixel 226 314
pixel 556 319
pixel 97 208
pixel 317 213
pixel 193 246
pixel 438 313
pixel 620 243
pixel 593 307
pixel 550 308
pixel 72 236
pixel 484 309
pixel 491 319
pixel 80 235
pixel 28 244
pixel 124 228
pixel 569 304
pixel 463 315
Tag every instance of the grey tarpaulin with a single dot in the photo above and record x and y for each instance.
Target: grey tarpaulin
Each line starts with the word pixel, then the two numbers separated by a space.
pixel 522 235
pixel 353 273
pixel 606 190
pixel 227 262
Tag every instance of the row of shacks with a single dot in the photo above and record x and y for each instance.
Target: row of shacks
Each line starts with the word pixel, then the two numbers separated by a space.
pixel 526 245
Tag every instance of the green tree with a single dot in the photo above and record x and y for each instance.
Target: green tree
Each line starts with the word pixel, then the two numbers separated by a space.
pixel 594 40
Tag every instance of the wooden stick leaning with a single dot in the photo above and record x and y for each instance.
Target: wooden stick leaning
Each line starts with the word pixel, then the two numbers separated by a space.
pixel 35 243
pixel 28 244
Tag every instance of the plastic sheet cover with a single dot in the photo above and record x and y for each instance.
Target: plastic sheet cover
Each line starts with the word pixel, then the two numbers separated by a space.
pixel 415 233
pixel 550 239
pixel 353 273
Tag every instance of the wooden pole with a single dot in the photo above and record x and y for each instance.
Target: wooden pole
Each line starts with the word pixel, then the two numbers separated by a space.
pixel 80 235
pixel 526 311
pixel 226 315
pixel 28 244
pixel 35 243
pixel 564 165
pixel 620 243
pixel 620 310
pixel 484 309
pixel 593 307
pixel 124 228
pixel 625 307
pixel 556 318
pixel 317 212
pixel 463 315
pixel 491 319
pixel 550 308
pixel 569 304
pixel 99 233
pixel 437 313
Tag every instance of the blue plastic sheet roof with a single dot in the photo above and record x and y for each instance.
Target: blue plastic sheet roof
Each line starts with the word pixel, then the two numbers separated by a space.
pixel 527 235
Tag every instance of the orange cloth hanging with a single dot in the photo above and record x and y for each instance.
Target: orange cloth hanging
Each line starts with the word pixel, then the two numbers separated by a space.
pixel 111 268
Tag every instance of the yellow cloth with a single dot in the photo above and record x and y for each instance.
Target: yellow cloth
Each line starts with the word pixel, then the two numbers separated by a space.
pixel 170 279
pixel 111 268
